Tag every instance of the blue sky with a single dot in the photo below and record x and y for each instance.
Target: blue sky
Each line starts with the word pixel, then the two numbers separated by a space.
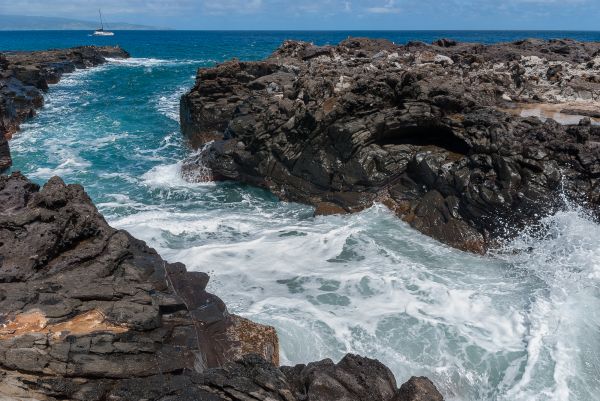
pixel 326 14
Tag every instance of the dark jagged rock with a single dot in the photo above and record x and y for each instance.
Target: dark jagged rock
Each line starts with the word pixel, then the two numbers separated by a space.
pixel 84 306
pixel 25 76
pixel 88 312
pixel 432 131
pixel 353 378
pixel 5 158
pixel 251 378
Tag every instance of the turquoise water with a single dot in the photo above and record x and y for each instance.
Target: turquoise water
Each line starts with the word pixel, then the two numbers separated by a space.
pixel 522 324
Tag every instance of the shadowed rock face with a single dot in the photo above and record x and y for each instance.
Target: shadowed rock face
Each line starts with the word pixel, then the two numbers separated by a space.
pixel 88 312
pixel 5 159
pixel 421 128
pixel 25 76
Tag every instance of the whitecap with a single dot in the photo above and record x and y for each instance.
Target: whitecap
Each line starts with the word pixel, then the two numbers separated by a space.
pixel 154 62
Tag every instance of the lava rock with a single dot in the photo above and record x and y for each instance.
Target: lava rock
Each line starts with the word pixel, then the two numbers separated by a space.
pixel 5 158
pixel 422 128
pixel 84 306
pixel 418 389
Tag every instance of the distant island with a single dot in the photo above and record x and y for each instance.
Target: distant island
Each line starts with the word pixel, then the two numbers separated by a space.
pixel 27 23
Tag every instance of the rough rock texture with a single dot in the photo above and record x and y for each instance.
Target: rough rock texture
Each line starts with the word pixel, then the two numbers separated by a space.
pixel 88 312
pixel 433 131
pixel 84 306
pixel 5 159
pixel 418 389
pixel 25 76
pixel 251 378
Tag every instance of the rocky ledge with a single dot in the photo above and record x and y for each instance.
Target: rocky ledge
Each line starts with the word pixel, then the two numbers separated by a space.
pixel 25 76
pixel 88 312
pixel 436 132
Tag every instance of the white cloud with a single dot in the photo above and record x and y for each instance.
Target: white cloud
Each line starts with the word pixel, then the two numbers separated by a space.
pixel 219 7
pixel 76 8
pixel 388 8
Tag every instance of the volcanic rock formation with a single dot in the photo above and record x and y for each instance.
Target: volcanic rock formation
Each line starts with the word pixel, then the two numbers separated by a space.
pixel 25 76
pixel 88 312
pixel 433 131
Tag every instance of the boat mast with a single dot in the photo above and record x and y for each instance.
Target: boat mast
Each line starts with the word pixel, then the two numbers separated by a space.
pixel 101 23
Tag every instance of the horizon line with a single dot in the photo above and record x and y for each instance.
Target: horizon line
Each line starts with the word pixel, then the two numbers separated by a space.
pixel 166 29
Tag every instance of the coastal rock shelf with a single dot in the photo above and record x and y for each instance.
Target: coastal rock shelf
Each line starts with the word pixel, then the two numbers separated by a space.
pixel 25 76
pixel 88 312
pixel 436 132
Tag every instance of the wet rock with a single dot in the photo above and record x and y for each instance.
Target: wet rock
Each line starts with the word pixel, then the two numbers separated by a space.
pixel 353 378
pixel 418 389
pixel 422 128
pixel 25 76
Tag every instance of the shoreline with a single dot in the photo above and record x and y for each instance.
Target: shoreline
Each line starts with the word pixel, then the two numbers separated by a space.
pixel 105 324
pixel 422 128
pixel 26 75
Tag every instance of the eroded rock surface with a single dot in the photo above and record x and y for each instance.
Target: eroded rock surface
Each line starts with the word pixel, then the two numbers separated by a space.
pixel 25 76
pixel 84 306
pixel 425 129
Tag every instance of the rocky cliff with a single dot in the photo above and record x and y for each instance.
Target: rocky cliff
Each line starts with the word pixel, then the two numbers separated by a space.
pixel 437 132
pixel 25 76
pixel 88 312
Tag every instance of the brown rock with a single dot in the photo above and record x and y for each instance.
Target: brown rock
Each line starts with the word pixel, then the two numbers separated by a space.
pixel 418 389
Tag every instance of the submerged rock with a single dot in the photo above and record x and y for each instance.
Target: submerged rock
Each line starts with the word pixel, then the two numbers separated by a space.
pixel 421 128
pixel 25 76
pixel 88 312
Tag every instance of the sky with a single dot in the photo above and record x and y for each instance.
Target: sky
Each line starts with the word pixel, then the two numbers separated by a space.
pixel 326 14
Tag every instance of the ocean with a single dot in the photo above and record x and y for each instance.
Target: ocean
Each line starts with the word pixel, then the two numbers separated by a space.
pixel 521 323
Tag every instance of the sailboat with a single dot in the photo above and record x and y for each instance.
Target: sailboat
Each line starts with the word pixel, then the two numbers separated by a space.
pixel 101 31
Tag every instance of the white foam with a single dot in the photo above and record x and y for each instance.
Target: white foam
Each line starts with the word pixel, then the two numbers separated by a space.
pixel 153 62
pixel 169 176
pixel 507 328
pixel 168 105
pixel 560 352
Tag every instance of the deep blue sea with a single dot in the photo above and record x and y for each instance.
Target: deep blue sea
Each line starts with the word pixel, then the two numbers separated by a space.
pixel 521 324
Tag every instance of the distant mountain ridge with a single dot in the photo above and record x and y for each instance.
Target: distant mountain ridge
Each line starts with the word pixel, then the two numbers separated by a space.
pixel 26 22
